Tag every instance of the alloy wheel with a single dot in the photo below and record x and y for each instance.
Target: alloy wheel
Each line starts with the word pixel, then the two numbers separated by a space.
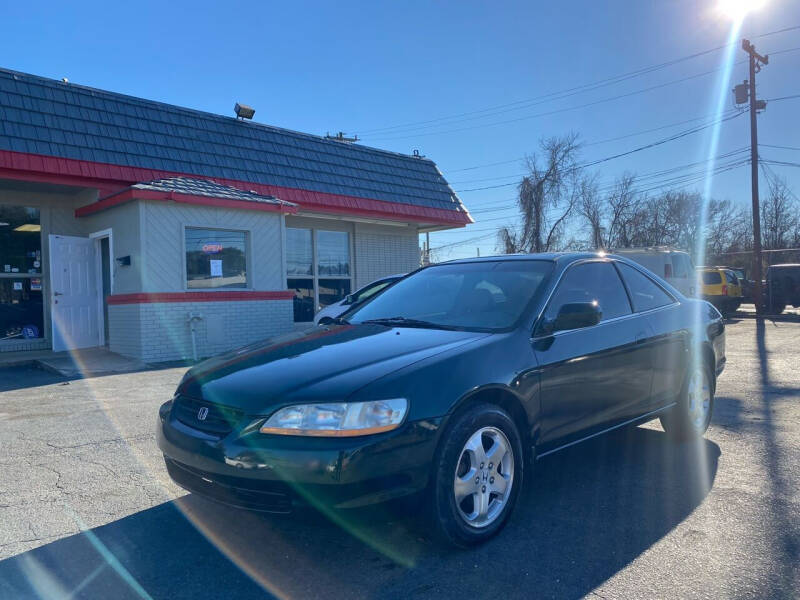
pixel 484 477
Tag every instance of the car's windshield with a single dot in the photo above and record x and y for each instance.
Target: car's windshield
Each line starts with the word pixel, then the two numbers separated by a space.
pixel 488 295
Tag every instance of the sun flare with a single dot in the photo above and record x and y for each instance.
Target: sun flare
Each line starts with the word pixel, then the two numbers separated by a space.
pixel 737 9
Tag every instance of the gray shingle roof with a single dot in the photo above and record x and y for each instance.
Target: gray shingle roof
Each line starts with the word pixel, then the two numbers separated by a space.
pixel 203 187
pixel 48 117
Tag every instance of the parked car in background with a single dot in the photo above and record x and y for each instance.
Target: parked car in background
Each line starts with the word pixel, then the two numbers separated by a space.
pixel 447 385
pixel 673 266
pixel 745 283
pixel 720 286
pixel 329 313
pixel 782 287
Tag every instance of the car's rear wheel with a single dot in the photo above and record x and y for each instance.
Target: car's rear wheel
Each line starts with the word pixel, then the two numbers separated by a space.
pixel 478 473
pixel 690 417
pixel 776 308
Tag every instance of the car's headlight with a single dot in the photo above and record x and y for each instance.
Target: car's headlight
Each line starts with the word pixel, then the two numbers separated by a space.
pixel 341 419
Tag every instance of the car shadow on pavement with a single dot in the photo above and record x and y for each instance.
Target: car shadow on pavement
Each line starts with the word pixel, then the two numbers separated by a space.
pixel 589 511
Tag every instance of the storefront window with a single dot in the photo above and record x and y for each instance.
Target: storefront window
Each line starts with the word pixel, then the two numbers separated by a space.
pixel 333 253
pixel 21 308
pixel 215 258
pixel 317 269
pixel 303 299
pixel 332 290
pixel 20 240
pixel 299 252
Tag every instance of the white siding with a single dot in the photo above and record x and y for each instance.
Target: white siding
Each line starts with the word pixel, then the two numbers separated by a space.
pixel 123 221
pixel 381 251
pixel 163 252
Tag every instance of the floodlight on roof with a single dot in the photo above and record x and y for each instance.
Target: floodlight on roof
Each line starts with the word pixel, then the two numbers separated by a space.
pixel 243 111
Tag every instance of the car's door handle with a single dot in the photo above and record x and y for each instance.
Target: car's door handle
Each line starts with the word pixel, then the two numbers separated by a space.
pixel 57 294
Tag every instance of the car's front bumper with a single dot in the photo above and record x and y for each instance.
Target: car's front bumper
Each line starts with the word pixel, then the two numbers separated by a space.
pixel 271 473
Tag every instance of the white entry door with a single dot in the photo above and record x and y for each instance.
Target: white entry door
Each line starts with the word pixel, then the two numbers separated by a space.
pixel 74 299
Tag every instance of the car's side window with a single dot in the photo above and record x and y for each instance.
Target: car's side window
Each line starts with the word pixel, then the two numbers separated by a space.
pixel 646 295
pixel 591 282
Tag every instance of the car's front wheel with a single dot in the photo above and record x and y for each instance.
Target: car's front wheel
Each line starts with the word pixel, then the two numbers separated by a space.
pixel 478 473
pixel 690 417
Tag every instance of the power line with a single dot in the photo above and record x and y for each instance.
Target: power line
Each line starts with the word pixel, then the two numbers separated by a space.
pixel 775 179
pixel 677 182
pixel 494 230
pixel 728 112
pixel 637 179
pixel 781 163
pixel 582 145
pixel 570 108
pixel 671 138
pixel 558 110
pixel 780 147
pixel 569 91
pixel 469 241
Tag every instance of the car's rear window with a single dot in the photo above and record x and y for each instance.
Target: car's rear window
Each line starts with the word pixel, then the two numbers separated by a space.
pixel 730 276
pixel 711 277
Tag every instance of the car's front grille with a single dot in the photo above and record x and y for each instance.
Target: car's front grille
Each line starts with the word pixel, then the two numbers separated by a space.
pixel 207 417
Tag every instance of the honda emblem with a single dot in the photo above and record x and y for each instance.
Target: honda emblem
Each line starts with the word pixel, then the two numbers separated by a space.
pixel 202 413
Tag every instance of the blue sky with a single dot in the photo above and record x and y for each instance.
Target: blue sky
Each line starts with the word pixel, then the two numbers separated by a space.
pixel 368 66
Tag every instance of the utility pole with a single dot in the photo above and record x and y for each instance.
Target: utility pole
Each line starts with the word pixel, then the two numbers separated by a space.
pixel 756 60
pixel 427 248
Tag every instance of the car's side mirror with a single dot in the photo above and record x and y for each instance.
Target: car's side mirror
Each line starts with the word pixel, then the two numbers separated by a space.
pixel 349 299
pixel 577 315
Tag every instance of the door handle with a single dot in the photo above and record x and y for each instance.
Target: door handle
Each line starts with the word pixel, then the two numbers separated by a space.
pixel 57 294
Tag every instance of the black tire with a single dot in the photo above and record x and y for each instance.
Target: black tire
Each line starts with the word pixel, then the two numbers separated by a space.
pixel 453 528
pixel 776 308
pixel 679 422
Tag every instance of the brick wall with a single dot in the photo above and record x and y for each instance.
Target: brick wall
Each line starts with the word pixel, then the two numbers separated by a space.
pixel 124 330
pixel 158 332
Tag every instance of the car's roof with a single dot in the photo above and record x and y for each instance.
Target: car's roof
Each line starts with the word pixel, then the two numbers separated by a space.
pixel 549 256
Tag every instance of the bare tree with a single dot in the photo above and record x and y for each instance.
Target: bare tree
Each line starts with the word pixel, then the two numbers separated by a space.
pixel 779 219
pixel 623 205
pixel 546 198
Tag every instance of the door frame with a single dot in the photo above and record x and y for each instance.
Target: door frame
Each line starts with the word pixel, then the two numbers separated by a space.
pixel 97 236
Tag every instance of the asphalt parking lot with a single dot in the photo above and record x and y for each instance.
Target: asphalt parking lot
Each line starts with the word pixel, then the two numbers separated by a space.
pixel 87 511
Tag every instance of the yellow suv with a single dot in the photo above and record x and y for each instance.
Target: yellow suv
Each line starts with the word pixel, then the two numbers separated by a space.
pixel 721 287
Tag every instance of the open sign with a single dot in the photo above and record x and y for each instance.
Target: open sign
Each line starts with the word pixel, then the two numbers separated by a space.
pixel 212 248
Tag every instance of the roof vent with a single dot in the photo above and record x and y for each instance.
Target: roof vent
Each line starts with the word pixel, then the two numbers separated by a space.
pixel 243 111
pixel 341 137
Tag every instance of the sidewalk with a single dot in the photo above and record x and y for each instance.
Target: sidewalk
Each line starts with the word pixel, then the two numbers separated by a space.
pixel 86 362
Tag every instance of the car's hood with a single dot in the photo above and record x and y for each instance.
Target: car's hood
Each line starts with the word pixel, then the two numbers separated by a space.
pixel 332 311
pixel 320 364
